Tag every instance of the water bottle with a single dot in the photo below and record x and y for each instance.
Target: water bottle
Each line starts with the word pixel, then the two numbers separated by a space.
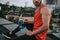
pixel 21 24
pixel 21 27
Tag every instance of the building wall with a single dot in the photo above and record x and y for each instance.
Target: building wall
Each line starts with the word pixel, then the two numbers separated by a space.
pixel 58 4
pixel 52 6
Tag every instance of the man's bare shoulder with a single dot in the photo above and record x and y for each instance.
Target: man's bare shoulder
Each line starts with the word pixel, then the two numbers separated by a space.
pixel 45 11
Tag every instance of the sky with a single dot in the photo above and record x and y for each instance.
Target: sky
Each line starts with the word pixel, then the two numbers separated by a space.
pixel 19 3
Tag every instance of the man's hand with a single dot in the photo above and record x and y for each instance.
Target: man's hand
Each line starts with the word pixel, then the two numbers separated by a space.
pixel 25 20
pixel 29 33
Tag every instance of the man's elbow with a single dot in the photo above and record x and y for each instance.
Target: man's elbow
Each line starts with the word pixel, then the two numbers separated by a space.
pixel 46 26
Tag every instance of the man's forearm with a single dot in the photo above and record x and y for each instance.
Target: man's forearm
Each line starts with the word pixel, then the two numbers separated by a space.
pixel 16 30
pixel 30 22
pixel 40 30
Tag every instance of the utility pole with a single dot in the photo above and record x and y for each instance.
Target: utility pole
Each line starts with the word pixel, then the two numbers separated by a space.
pixel 26 4
pixel 0 8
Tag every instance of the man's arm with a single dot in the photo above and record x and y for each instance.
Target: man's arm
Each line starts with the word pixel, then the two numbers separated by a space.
pixel 28 20
pixel 46 16
pixel 14 31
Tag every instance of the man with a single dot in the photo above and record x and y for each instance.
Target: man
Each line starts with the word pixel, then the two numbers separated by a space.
pixel 42 18
pixel 41 21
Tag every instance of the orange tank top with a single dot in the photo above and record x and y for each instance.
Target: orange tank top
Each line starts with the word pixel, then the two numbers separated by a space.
pixel 38 23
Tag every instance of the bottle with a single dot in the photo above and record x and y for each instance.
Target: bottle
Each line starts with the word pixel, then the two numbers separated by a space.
pixel 20 23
